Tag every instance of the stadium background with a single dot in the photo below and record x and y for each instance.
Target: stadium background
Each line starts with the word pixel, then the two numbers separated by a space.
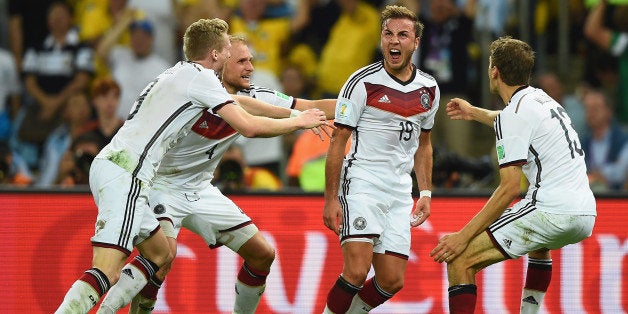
pixel 45 243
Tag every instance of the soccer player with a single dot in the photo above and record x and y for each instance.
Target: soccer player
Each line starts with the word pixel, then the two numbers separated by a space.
pixel 183 195
pixel 388 109
pixel 534 138
pixel 123 171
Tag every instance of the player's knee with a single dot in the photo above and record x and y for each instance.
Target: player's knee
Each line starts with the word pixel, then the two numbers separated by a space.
pixel 263 258
pixel 354 276
pixel 163 258
pixel 390 284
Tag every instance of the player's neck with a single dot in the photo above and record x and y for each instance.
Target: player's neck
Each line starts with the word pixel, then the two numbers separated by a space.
pixel 506 92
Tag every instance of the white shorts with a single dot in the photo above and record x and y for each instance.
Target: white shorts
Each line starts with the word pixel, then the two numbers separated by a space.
pixel 124 217
pixel 384 217
pixel 524 228
pixel 206 212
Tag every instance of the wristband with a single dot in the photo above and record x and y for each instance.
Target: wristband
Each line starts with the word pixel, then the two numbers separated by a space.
pixel 427 193
pixel 294 113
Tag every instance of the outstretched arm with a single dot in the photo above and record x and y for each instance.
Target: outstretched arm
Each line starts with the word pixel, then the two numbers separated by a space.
pixel 255 126
pixel 257 107
pixel 460 109
pixel 594 28
pixel 327 105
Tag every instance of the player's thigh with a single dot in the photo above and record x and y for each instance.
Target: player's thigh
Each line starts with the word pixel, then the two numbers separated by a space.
pixel 219 220
pixel 395 240
pixel 358 257
pixel 525 229
pixel 171 205
pixel 124 218
pixel 480 253
pixel 363 212
pixel 390 270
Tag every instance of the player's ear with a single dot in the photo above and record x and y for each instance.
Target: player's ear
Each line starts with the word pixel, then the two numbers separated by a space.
pixel 494 72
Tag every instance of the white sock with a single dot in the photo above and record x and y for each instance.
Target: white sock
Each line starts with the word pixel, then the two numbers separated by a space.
pixel 134 276
pixel 531 301
pixel 247 298
pixel 79 299
pixel 358 306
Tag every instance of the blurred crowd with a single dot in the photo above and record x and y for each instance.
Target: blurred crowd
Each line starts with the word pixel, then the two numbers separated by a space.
pixel 71 70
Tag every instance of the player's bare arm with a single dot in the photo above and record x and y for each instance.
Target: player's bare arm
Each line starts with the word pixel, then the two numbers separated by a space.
pixel 332 213
pixel 460 109
pixel 594 28
pixel 257 107
pixel 326 105
pixel 423 160
pixel 451 245
pixel 255 126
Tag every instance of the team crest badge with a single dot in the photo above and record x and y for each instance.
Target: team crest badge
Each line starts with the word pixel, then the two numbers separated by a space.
pixel 159 209
pixel 359 223
pixel 425 100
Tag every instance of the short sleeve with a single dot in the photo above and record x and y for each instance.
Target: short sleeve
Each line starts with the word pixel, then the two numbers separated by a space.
pixel 428 122
pixel 207 90
pixel 513 139
pixel 350 108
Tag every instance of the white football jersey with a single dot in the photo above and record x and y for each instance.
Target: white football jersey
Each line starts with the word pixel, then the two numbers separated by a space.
pixel 387 116
pixel 535 131
pixel 191 163
pixel 162 115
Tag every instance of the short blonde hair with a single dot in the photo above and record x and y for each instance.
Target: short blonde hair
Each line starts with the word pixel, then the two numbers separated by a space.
pixel 203 36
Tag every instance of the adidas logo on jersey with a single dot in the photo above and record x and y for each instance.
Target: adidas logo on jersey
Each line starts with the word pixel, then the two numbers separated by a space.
pixel 128 272
pixel 531 300
pixel 384 99
pixel 507 242
pixel 204 125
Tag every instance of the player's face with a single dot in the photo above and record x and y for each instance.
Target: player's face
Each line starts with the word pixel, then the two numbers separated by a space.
pixel 238 69
pixel 492 83
pixel 398 43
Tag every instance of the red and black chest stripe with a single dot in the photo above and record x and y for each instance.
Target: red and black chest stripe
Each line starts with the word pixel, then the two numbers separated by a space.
pixel 212 126
pixel 402 103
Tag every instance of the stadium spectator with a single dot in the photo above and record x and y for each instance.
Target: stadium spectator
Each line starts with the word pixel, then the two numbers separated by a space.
pixel 12 173
pixel 27 26
pixel 444 54
pixel 233 174
pixel 133 66
pixel 163 16
pixel 343 54
pixel 76 161
pixel 98 18
pixel 613 39
pixel 105 95
pixel 57 68
pixel 605 144
pixel 306 165
pixel 550 83
pixel 77 113
pixel 10 94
